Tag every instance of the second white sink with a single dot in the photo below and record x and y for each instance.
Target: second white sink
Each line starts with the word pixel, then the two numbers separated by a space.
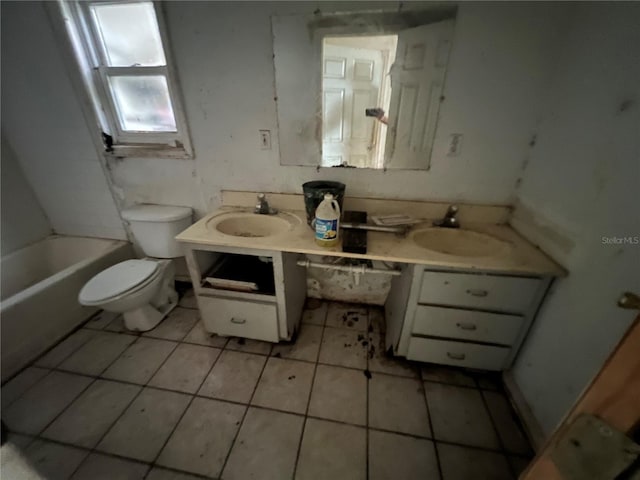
pixel 459 242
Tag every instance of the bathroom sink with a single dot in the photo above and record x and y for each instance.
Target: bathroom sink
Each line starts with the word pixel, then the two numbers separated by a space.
pixel 459 242
pixel 251 225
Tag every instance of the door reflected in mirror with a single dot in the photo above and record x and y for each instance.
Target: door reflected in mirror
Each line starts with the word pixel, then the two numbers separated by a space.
pixel 329 69
pixel 355 78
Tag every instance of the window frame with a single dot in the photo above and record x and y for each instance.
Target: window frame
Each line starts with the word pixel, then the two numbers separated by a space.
pixel 133 142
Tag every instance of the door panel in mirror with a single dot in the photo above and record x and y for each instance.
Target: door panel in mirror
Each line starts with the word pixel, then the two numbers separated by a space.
pixel 328 127
pixel 417 80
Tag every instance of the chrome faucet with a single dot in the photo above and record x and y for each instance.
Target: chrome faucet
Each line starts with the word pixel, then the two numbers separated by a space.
pixel 450 220
pixel 262 207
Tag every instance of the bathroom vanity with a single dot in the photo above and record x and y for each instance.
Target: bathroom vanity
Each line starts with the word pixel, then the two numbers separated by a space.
pixel 462 297
pixel 268 294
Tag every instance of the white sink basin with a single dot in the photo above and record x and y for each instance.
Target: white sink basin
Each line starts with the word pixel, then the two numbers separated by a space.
pixel 251 225
pixel 459 242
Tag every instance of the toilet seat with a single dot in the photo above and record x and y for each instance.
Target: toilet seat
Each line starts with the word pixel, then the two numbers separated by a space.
pixel 122 278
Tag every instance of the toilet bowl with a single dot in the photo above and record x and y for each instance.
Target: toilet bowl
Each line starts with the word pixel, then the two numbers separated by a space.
pixel 142 290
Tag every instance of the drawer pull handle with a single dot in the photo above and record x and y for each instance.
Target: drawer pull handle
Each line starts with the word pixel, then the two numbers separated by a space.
pixel 456 356
pixel 466 326
pixel 477 292
pixel 238 321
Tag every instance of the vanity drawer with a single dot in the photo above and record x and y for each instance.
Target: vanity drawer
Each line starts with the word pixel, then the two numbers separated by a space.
pixel 467 324
pixel 240 318
pixel 471 355
pixel 491 292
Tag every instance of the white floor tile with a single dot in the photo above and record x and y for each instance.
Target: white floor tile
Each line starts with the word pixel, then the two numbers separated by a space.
pixel 53 461
pixel 450 375
pixel 176 326
pixel 305 347
pixel 266 447
pixel 510 433
pixel 315 312
pixel 98 353
pixel 345 348
pixel 234 376
pixel 140 361
pixel 249 346
pixel 285 385
pixel 462 463
pixel 380 362
pixel 164 474
pixel 44 401
pixel 145 426
pixel 393 456
pixel 397 404
pixel 339 394
pixel 203 438
pixel 200 336
pixel 346 315
pixel 186 368
pixel 89 417
pixel 458 415
pixel 331 451
pixel 103 467
pixel 101 320
pixel 20 384
pixel 64 349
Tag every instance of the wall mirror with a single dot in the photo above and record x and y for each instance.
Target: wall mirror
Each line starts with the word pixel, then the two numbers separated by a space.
pixel 330 69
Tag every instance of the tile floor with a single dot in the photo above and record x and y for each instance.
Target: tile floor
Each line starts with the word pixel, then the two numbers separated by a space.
pixel 177 403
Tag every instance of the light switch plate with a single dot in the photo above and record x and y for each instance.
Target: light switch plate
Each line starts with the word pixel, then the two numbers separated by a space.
pixel 265 139
pixel 455 145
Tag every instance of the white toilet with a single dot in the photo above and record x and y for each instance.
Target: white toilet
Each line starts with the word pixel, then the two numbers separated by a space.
pixel 142 290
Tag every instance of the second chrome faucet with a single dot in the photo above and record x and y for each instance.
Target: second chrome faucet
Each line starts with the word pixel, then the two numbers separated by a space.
pixel 450 219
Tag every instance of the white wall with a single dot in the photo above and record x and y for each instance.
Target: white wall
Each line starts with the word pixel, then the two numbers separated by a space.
pixel 22 217
pixel 501 57
pixel 584 176
pixel 499 64
pixel 42 120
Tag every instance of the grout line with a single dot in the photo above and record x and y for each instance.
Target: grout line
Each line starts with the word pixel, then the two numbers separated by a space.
pixel 193 397
pixel 133 399
pixel 247 405
pixel 495 429
pixel 313 380
pixel 244 415
pixel 433 432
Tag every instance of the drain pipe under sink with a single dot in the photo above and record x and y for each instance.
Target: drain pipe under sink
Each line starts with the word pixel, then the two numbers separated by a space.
pixel 357 270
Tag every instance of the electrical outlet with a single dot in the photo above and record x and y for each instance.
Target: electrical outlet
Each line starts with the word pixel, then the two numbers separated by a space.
pixel 455 145
pixel 265 139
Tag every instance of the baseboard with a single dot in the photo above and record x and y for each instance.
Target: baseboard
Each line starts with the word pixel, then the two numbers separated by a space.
pixel 531 426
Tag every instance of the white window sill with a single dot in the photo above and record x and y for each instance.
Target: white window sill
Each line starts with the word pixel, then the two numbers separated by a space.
pixel 149 151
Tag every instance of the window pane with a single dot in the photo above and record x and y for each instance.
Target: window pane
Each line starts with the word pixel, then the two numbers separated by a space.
pixel 143 103
pixel 129 34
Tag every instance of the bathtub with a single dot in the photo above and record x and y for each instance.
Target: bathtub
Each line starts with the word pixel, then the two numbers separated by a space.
pixel 39 293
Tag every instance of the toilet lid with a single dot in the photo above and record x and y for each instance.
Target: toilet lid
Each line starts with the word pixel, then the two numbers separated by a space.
pixel 116 280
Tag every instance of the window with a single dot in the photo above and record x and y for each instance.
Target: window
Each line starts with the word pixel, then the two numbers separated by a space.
pixel 120 47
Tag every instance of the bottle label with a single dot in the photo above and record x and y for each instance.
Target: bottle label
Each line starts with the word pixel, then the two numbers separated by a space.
pixel 326 229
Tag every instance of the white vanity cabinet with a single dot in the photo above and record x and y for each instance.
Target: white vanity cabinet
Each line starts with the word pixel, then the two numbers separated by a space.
pixel 270 311
pixel 466 318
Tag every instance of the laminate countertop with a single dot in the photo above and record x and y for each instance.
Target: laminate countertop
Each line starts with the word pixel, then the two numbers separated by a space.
pixel 514 255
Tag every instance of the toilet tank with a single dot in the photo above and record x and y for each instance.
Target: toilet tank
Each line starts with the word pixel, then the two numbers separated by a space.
pixel 156 226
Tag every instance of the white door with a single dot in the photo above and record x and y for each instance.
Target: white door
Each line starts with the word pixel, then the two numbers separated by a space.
pixel 351 79
pixel 417 78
